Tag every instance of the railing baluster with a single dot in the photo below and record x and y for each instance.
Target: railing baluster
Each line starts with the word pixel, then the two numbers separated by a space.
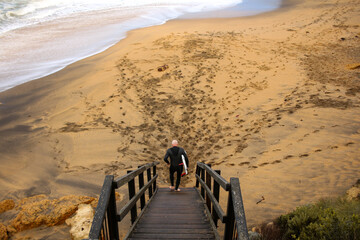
pixel 229 225
pixel 208 183
pixel 235 221
pixel 106 218
pixel 154 173
pixel 197 172
pixel 106 228
pixel 111 215
pixel 216 191
pixel 141 184
pixel 131 186
pixel 148 171
pixel 202 176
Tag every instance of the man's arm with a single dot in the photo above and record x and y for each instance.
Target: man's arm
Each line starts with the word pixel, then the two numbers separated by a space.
pixel 166 157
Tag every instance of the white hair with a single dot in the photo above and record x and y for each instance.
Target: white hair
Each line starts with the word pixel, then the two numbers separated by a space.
pixel 174 142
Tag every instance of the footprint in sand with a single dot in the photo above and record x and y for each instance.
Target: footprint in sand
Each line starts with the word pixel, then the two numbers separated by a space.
pixel 230 164
pixel 244 163
pixel 276 161
pixel 263 164
pixel 304 155
pixel 316 131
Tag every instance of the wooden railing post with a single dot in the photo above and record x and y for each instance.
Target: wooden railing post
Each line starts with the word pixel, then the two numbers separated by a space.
pixel 141 184
pixel 208 183
pixel 99 226
pixel 197 171
pixel 239 211
pixel 202 176
pixel 131 186
pixel 154 173
pixel 216 191
pixel 230 219
pixel 148 171
pixel 106 217
pixel 111 214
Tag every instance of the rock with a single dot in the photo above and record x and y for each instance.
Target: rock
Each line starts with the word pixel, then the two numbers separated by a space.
pixel 3 232
pixel 354 192
pixel 95 203
pixel 6 205
pixel 254 236
pixel 38 210
pixel 11 230
pixel 81 222
pixel 29 200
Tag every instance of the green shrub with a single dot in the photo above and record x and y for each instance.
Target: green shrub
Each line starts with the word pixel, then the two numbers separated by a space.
pixel 328 219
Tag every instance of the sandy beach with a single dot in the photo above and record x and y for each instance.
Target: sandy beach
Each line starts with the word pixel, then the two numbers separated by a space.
pixel 272 99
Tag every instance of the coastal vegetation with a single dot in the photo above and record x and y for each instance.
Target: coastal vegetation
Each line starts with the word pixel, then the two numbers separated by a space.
pixel 326 219
pixel 330 218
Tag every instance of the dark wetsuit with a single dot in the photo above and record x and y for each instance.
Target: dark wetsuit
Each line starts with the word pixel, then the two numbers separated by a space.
pixel 176 164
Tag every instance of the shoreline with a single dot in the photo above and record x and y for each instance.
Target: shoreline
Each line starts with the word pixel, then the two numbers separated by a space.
pixel 98 36
pixel 255 97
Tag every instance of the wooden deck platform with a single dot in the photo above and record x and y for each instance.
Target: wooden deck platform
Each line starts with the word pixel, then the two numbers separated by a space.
pixel 174 215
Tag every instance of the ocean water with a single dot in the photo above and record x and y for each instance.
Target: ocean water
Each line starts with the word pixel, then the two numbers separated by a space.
pixel 40 37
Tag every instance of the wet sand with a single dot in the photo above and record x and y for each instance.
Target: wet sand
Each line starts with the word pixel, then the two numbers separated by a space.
pixel 271 99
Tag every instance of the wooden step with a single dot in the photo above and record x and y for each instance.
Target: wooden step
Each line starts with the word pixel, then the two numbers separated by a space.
pixel 174 215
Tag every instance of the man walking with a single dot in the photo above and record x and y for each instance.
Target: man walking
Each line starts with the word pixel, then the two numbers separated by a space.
pixel 176 164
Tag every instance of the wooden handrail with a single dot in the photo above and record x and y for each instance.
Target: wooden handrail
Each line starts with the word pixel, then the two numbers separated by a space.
pixel 125 210
pixel 239 212
pixel 216 205
pixel 101 207
pixel 218 178
pixel 128 177
pixel 235 221
pixel 105 223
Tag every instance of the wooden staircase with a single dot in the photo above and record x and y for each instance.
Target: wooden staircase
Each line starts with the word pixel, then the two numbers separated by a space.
pixel 174 215
pixel 193 213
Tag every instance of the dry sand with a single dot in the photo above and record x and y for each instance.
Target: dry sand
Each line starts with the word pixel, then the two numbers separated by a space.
pixel 269 99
